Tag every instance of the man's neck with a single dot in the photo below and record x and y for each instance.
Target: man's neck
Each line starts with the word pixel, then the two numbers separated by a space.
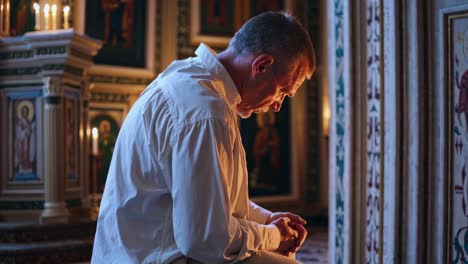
pixel 236 65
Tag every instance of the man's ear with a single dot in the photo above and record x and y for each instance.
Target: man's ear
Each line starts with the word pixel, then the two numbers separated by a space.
pixel 262 64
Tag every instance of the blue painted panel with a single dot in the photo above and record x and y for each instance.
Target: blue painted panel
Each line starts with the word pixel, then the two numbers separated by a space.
pixel 23 127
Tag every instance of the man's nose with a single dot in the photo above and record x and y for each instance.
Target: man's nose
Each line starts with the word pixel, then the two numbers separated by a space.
pixel 276 106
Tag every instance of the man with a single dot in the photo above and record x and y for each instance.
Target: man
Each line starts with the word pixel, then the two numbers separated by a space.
pixel 176 191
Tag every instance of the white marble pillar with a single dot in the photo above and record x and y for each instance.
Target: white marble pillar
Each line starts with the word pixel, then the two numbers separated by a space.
pixel 55 209
pixel 340 166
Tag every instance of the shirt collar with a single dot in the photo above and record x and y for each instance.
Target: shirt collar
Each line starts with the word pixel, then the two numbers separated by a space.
pixel 214 66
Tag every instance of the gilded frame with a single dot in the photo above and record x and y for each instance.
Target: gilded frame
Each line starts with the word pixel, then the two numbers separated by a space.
pixel 120 72
pixel 241 11
pixel 197 34
pixel 10 186
pixel 114 114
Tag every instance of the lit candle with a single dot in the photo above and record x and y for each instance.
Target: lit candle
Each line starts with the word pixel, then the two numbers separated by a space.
pixel 66 10
pixel 326 118
pixel 54 16
pixel 7 20
pixel 2 29
pixel 46 16
pixel 36 9
pixel 95 138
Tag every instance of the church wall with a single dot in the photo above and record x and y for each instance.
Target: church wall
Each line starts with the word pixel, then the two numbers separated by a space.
pixel 363 132
pixel 397 159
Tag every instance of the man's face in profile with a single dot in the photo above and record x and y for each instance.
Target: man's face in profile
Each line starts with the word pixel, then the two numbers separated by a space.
pixel 268 89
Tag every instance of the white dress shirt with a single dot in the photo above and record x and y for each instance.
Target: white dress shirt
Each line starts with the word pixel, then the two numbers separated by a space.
pixel 177 183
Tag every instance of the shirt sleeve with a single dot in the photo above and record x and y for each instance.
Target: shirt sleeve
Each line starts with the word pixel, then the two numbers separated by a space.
pixel 202 174
pixel 257 213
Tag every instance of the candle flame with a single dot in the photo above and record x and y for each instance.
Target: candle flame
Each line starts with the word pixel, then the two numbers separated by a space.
pixel 36 7
pixel 326 114
pixel 54 8
pixel 46 8
pixel 66 9
pixel 95 132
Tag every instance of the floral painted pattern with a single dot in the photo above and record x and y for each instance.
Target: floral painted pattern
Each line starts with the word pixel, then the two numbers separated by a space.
pixel 340 134
pixel 373 132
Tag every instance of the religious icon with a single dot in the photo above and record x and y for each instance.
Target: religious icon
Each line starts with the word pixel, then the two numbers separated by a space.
pixel 458 86
pixel 217 18
pixel 118 25
pixel 121 25
pixel 21 16
pixel 266 138
pixel 106 147
pixel 25 140
pixel 108 131
pixel 70 139
pixel 462 107
pixel 260 6
pixel 266 150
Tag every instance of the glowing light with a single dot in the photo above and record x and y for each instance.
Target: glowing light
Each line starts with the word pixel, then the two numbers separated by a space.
pixel 95 139
pixel 66 11
pixel 54 16
pixel 46 16
pixel 37 8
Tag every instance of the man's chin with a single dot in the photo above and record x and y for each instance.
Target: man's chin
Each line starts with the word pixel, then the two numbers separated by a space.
pixel 244 115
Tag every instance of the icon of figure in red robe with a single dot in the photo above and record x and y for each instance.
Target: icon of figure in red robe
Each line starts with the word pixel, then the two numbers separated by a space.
pixel 267 152
pixel 70 139
pixel 106 147
pixel 119 19
pixel 24 138
pixel 462 106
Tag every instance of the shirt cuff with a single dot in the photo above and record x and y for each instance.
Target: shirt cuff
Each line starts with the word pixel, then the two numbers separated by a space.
pixel 273 238
pixel 258 214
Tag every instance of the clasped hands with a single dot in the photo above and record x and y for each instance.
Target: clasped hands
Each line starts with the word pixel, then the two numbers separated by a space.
pixel 291 227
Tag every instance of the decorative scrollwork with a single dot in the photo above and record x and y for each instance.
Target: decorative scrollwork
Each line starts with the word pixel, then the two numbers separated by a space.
pixel 52 86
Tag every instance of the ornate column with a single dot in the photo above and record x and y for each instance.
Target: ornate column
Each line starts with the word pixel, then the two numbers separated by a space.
pixel 47 71
pixel 340 166
pixel 85 135
pixel 55 209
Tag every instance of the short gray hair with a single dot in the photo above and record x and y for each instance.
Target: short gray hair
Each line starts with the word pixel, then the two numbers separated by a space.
pixel 276 33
